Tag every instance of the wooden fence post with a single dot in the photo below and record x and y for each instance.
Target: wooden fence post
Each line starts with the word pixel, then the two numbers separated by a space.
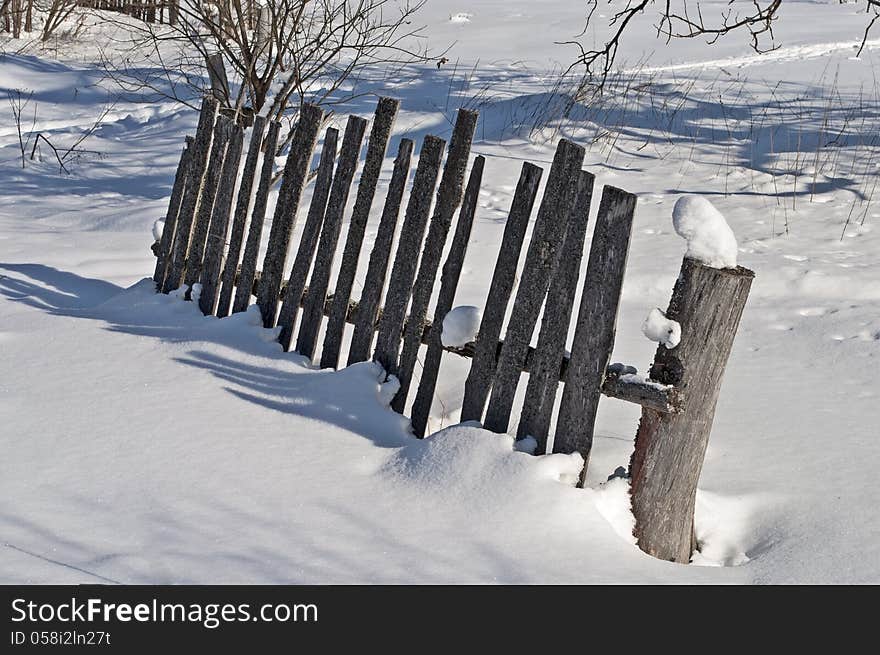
pixel 669 448
pixel 541 260
pixel 313 308
pixel 217 76
pixel 378 143
pixel 222 134
pixel 166 242
pixel 296 171
pixel 421 408
pixel 543 382
pixel 377 269
pixel 479 379
pixel 244 288
pixel 406 258
pixel 596 324
pixel 242 205
pixel 448 199
pixel 201 151
pixel 302 261
pixel 216 242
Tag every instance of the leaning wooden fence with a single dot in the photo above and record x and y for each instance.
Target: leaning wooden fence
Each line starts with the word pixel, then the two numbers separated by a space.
pixel 207 241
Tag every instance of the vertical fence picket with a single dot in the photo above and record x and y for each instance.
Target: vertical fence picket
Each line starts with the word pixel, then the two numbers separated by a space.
pixel 242 205
pixel 251 254
pixel 479 379
pixel 302 261
pixel 448 199
pixel 541 259
pixel 595 327
pixel 216 241
pixel 377 269
pixel 222 135
pixel 201 152
pixel 421 408
pixel 166 242
pixel 378 143
pixel 296 171
pixel 543 384
pixel 406 259
pixel 313 308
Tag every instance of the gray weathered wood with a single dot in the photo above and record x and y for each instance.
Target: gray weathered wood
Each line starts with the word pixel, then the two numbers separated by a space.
pixel 166 242
pixel 217 76
pixel 596 324
pixel 248 270
pixel 242 206
pixel 479 379
pixel 307 338
pixel 296 171
pixel 377 269
pixel 669 448
pixel 448 199
pixel 302 261
pixel 201 151
pixel 541 259
pixel 406 258
pixel 216 242
pixel 421 408
pixel 629 388
pixel 543 382
pixel 222 134
pixel 378 143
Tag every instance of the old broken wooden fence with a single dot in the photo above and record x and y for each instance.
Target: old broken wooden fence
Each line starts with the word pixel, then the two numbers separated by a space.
pixel 204 243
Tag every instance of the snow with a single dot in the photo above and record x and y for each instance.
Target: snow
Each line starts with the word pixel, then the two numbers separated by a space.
pixel 661 329
pixel 709 238
pixel 460 325
pixel 145 443
pixel 157 229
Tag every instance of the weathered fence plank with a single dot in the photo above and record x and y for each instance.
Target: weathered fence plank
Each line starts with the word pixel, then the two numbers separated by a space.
pixel 201 151
pixel 669 448
pixel 216 242
pixel 166 242
pixel 406 258
pixel 421 408
pixel 377 145
pixel 245 282
pixel 296 171
pixel 307 339
pixel 222 134
pixel 479 379
pixel 302 261
pixel 595 327
pixel 448 199
pixel 541 259
pixel 377 269
pixel 242 206
pixel 543 384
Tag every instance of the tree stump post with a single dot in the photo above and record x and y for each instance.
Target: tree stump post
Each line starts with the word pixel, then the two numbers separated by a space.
pixel 669 448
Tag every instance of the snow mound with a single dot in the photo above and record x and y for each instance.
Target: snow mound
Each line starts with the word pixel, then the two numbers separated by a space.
pixel 661 329
pixel 709 238
pixel 460 326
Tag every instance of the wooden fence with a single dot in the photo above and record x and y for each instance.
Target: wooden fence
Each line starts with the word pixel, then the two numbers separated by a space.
pixel 207 242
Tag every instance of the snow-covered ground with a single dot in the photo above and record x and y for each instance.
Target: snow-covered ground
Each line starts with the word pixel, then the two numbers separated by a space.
pixel 143 443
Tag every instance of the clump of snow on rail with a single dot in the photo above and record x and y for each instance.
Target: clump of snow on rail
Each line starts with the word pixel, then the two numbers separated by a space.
pixel 460 326
pixel 661 329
